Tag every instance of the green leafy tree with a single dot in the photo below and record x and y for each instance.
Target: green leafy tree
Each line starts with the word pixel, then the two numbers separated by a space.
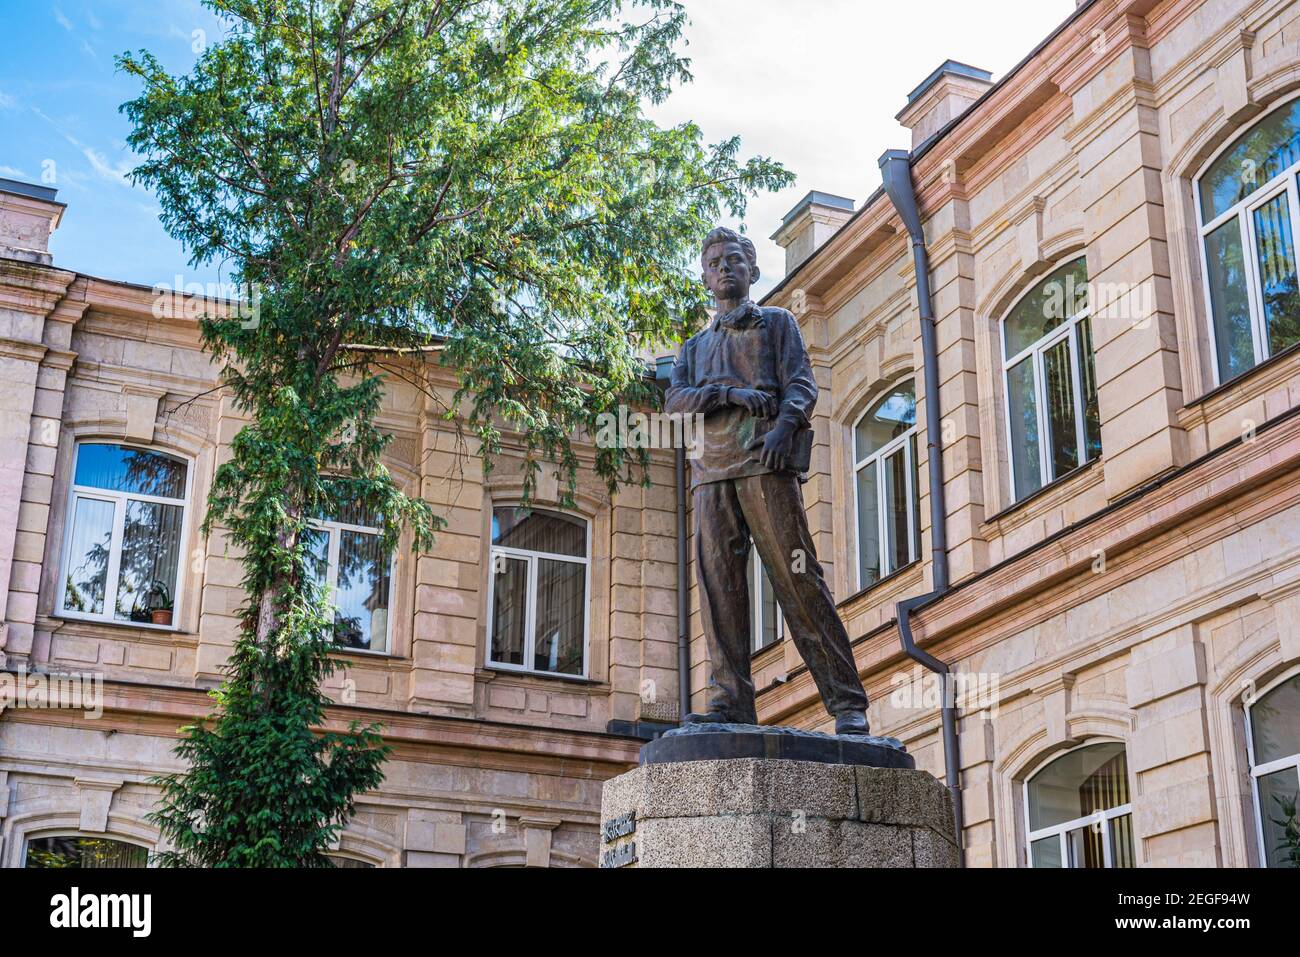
pixel 406 181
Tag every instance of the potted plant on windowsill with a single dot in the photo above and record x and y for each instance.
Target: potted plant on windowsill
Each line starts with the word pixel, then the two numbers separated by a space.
pixel 159 603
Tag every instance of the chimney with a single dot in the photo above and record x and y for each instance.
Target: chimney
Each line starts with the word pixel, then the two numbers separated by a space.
pixel 28 215
pixel 943 96
pixel 814 219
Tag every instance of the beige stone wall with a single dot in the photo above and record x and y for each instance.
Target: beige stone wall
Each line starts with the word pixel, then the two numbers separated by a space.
pixel 1141 598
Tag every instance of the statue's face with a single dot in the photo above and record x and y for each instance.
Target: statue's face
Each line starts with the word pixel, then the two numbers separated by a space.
pixel 727 272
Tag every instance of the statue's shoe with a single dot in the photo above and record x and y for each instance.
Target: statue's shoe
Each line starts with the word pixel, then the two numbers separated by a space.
pixel 852 722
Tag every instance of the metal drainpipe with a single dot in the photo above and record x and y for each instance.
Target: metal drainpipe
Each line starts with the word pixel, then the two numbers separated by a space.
pixel 683 597
pixel 896 170
pixel 663 376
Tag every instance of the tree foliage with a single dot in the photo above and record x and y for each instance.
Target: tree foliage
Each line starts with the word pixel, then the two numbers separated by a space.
pixel 470 182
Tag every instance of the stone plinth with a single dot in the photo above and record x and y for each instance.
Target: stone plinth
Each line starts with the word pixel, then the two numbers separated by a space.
pixel 764 812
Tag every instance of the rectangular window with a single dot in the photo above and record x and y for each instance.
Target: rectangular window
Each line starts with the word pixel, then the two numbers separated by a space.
pixel 357 572
pixel 126 527
pixel 538 592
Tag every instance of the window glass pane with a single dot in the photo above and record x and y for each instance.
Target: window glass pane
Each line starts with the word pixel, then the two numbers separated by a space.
pixel 1121 842
pixel 549 532
pixel 80 852
pixel 1063 450
pixel 868 526
pixel 1277 272
pixel 316 542
pixel 1078 784
pixel 1276 792
pixel 1262 153
pixel 1062 295
pixel 916 502
pixel 361 598
pixel 88 553
pixel 1228 300
pixel 151 542
pixel 130 470
pixel 561 607
pixel 885 421
pixel 896 530
pixel 767 606
pixel 1088 376
pixel 1022 407
pixel 1046 852
pixel 1084 845
pixel 509 609
pixel 1275 723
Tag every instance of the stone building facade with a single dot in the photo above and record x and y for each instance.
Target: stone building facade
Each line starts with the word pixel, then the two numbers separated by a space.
pixel 1120 468
pixel 1109 230
pixel 493 763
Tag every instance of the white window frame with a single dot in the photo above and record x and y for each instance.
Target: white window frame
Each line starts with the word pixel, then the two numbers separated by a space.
pixel 1243 211
pixel 756 606
pixel 1104 818
pixel 335 531
pixel 1257 772
pixel 112 574
pixel 877 461
pixel 530 619
pixel 1068 329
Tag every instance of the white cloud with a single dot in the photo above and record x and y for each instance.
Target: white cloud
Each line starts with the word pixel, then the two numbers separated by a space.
pixel 63 20
pixel 11 172
pixel 816 84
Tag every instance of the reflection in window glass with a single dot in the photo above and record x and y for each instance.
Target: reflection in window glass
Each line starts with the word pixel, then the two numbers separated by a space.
pixel 356 572
pixel 1257 157
pixel 1228 300
pixel 73 853
pixel 1249 197
pixel 127 516
pixel 1275 250
pixel 1053 421
pixel 88 552
pixel 1022 406
pixel 885 479
pixel 1275 767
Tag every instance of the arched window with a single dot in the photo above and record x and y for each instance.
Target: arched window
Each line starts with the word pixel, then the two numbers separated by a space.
pixel 1248 208
pixel 766 623
pixel 126 524
pixel 537 601
pixel 1078 810
pixel 1273 739
pixel 885 485
pixel 358 574
pixel 78 852
pixel 1050 382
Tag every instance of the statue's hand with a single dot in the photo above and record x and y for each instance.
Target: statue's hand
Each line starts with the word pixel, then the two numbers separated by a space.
pixel 777 447
pixel 761 404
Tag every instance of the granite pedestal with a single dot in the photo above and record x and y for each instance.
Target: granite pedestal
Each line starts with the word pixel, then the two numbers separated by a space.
pixel 858 802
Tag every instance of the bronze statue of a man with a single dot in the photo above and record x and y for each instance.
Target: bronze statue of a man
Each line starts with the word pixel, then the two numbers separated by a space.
pixel 748 375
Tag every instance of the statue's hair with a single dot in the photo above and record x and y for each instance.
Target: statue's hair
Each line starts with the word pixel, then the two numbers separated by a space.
pixel 722 234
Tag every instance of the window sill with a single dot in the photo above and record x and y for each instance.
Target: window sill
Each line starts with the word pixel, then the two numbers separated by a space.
pixel 1041 493
pixel 1241 377
pixel 495 671
pixel 879 583
pixel 755 655
pixel 362 654
pixel 122 625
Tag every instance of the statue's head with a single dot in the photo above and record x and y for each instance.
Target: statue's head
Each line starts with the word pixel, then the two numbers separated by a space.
pixel 730 263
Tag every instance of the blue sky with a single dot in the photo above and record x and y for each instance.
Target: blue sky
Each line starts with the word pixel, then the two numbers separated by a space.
pixel 813 83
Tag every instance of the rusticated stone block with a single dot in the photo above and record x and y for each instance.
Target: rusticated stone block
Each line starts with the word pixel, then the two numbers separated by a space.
pixel 764 812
